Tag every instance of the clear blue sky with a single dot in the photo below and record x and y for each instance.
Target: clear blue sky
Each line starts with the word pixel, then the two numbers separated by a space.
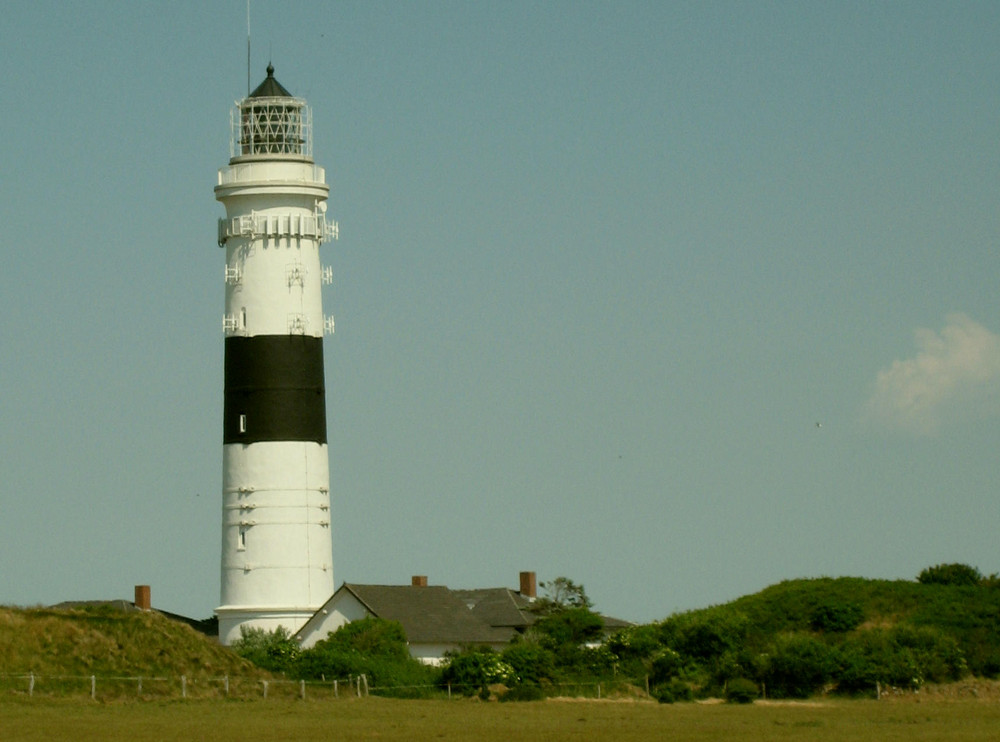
pixel 603 268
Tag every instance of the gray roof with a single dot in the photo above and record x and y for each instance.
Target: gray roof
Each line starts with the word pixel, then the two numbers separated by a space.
pixel 498 606
pixel 428 614
pixel 270 88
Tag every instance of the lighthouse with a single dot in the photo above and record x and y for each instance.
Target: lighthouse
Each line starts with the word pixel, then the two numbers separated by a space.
pixel 277 550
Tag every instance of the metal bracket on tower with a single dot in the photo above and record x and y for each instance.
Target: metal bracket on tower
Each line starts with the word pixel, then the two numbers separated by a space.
pixel 229 323
pixel 331 230
pixel 295 273
pixel 296 324
pixel 328 324
pixel 233 275
pixel 327 275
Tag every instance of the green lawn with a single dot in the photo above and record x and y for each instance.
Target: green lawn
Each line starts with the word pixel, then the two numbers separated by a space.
pixel 389 720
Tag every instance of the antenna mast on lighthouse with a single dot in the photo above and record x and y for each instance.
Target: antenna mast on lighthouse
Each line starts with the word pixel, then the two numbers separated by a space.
pixel 248 48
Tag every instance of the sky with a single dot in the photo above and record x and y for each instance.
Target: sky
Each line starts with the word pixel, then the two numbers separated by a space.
pixel 675 299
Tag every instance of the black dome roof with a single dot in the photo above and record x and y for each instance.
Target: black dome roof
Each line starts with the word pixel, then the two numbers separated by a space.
pixel 270 88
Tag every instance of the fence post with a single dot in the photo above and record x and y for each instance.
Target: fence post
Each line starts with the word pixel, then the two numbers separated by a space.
pixel 184 686
pixel 225 682
pixel 365 677
pixel 449 690
pixel 302 689
pixel 265 688
pixel 647 685
pixel 31 684
pixel 336 694
pixel 93 687
pixel 598 691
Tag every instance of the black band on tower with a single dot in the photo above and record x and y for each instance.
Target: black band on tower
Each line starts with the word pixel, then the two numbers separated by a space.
pixel 274 389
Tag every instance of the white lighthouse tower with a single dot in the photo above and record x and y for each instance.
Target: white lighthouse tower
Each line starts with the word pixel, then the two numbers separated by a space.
pixel 277 550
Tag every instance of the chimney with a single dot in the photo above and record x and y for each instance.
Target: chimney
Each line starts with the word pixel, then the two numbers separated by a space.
pixel 142 598
pixel 418 581
pixel 528 585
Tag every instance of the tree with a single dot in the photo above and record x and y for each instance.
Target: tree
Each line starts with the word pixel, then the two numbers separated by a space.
pixel 561 594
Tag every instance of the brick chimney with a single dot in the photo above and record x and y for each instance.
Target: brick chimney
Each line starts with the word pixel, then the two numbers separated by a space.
pixel 529 587
pixel 142 597
pixel 418 581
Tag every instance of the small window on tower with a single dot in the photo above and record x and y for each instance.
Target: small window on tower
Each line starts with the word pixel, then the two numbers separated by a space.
pixel 243 423
pixel 243 318
pixel 241 544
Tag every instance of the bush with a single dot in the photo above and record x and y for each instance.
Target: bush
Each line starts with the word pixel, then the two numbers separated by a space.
pixel 671 691
pixel 950 574
pixel 903 657
pixel 275 651
pixel 635 642
pixel 741 690
pixel 372 637
pixel 665 667
pixel 837 617
pixel 372 647
pixel 472 670
pixel 569 627
pixel 524 692
pixel 799 666
pixel 531 663
pixel 706 634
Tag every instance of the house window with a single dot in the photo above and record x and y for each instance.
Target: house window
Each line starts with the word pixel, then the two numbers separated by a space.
pixel 243 423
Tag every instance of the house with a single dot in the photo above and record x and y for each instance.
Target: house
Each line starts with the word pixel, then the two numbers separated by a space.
pixel 143 602
pixel 435 619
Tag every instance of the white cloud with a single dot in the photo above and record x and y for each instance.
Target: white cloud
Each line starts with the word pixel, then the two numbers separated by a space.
pixel 954 373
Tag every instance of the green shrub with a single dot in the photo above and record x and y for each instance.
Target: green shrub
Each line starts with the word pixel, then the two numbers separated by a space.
pixel 274 650
pixel 372 637
pixel 569 627
pixel 524 692
pixel 531 663
pixel 837 617
pixel 372 647
pixel 672 691
pixel 799 666
pixel 741 690
pixel 666 666
pixel 903 657
pixel 705 635
pixel 474 669
pixel 950 574
pixel 635 642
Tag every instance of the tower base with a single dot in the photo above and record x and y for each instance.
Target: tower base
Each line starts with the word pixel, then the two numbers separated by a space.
pixel 233 618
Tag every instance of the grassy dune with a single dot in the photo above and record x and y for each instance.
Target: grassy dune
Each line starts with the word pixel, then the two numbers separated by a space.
pixel 104 641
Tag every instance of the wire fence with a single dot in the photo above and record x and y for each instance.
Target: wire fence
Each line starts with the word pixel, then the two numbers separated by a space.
pixel 152 687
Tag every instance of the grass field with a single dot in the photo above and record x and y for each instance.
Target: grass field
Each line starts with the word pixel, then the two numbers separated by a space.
pixel 913 719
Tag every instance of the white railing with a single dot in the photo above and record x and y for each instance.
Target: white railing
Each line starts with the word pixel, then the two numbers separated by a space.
pixel 310 226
